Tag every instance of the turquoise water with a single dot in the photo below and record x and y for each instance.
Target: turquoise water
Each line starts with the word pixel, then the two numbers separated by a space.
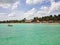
pixel 30 34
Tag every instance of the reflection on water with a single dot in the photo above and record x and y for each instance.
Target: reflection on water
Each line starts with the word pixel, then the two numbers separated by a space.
pixel 30 34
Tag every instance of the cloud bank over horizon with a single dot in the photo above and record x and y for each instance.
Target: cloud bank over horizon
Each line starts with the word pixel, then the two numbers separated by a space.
pixel 19 9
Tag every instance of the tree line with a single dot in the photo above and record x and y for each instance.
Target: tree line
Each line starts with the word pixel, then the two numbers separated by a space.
pixel 49 19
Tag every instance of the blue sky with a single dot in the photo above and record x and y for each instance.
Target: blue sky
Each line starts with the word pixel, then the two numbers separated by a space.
pixel 19 9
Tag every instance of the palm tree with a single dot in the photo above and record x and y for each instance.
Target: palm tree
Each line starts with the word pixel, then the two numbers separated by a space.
pixel 23 20
pixel 58 16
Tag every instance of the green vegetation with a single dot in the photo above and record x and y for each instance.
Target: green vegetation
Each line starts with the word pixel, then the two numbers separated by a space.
pixel 45 19
pixel 49 19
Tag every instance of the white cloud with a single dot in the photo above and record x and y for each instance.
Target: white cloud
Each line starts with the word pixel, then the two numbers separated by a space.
pixel 2 13
pixel 12 6
pixel 55 7
pixel 20 15
pixel 29 14
pixel 44 8
pixel 5 5
pixel 52 1
pixel 43 11
pixel 11 14
pixel 16 15
pixel 3 16
pixel 15 5
pixel 33 1
pixel 37 1
pixel 8 1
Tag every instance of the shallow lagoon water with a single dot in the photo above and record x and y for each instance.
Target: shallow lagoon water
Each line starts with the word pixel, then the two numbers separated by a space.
pixel 30 34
